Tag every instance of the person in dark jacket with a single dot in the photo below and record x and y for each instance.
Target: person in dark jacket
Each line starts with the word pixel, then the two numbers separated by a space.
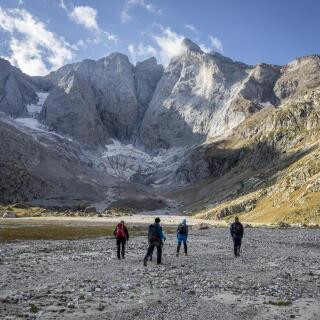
pixel 122 236
pixel 236 231
pixel 182 236
pixel 155 238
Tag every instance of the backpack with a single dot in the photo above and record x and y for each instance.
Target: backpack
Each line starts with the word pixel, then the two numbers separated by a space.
pixel 120 231
pixel 182 228
pixel 154 233
pixel 238 229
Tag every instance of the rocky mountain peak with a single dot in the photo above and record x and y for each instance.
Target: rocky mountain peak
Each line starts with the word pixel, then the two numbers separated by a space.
pixel 191 46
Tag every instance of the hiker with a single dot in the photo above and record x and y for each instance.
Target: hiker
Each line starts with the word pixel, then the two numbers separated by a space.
pixel 122 236
pixel 182 236
pixel 236 230
pixel 155 238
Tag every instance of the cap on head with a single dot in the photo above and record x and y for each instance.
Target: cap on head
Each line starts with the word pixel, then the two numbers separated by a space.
pixel 184 221
pixel 236 219
pixel 157 220
pixel 122 222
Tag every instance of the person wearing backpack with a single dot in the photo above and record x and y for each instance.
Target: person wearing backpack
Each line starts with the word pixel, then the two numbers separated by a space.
pixel 155 238
pixel 236 231
pixel 122 236
pixel 182 236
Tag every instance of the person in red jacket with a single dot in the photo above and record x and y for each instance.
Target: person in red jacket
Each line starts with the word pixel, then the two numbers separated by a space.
pixel 122 236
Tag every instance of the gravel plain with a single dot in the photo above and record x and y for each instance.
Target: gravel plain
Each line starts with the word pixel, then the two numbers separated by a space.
pixel 276 277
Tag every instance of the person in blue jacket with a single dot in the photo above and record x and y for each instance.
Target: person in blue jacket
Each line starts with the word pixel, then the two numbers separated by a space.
pixel 182 236
pixel 155 238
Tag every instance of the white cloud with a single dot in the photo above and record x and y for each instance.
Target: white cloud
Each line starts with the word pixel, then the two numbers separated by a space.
pixel 204 48
pixel 34 49
pixel 192 28
pixel 86 16
pixel 141 51
pixel 125 17
pixel 111 37
pixel 170 44
pixel 216 43
pixel 129 4
pixel 63 5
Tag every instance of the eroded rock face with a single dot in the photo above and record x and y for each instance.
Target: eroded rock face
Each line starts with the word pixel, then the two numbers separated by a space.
pixel 297 77
pixel 16 90
pixel 204 95
pixel 104 98
pixel 70 109
pixel 147 74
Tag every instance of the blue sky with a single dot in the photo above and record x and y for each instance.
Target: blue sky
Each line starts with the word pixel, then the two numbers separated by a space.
pixel 41 35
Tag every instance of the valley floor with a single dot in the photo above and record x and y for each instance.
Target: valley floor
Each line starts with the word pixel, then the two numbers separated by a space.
pixel 277 277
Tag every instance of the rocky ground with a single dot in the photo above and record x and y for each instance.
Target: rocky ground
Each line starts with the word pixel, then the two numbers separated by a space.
pixel 277 277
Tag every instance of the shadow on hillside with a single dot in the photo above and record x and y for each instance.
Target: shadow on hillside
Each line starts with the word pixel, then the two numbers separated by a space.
pixel 231 173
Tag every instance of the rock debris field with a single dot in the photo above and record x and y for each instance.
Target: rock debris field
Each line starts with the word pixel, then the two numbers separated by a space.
pixel 277 277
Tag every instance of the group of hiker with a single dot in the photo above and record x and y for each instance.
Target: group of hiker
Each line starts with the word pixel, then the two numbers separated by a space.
pixel 156 239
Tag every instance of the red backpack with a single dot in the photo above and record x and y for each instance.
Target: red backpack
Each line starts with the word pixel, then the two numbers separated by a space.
pixel 120 232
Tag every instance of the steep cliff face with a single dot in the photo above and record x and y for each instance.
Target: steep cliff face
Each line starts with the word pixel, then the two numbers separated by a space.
pixel 201 96
pixel 297 77
pixel 104 98
pixel 70 109
pixel 17 90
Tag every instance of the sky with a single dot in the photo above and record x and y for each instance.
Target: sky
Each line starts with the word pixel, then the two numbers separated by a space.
pixel 39 36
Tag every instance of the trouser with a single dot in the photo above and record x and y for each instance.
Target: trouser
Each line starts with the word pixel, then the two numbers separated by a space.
pixel 184 246
pixel 150 250
pixel 236 246
pixel 121 243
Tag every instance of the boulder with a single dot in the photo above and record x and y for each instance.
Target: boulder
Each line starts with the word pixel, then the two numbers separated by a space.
pixel 202 226
pixel 8 214
pixel 90 210
pixel 83 205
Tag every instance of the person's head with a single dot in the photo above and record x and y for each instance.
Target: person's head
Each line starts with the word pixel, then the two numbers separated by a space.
pixel 236 219
pixel 184 221
pixel 157 220
pixel 121 222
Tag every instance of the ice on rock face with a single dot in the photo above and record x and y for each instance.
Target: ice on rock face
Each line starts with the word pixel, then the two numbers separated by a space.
pixel 126 160
pixel 36 108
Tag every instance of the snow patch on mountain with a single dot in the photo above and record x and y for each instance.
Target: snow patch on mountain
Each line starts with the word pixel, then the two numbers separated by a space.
pixel 36 108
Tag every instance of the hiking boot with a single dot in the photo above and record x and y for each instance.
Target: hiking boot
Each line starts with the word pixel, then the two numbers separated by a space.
pixel 177 254
pixel 185 254
pixel 145 262
pixel 150 259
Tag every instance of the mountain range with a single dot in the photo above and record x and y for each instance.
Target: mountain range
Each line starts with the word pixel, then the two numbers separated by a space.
pixel 205 135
